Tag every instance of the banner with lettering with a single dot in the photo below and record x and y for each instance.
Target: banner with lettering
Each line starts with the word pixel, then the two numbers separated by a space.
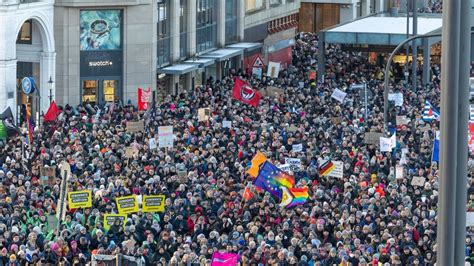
pixel 109 220
pixel 153 203
pixel 127 204
pixel 79 199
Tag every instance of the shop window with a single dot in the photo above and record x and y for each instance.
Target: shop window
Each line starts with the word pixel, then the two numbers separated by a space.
pixel 24 36
pixel 275 2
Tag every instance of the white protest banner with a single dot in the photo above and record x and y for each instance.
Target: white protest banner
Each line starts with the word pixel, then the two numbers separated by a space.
pixel 469 219
pixel 204 114
pixel 399 172
pixel 273 69
pixel 402 120
pixel 226 124
pixel 338 95
pixel 393 141
pixel 403 159
pixel 285 167
pixel 337 171
pixel 385 144
pixel 295 163
pixel 165 137
pixel 257 72
pixel 418 181
pixel 297 148
pixel 372 138
pixel 152 144
pixel 397 98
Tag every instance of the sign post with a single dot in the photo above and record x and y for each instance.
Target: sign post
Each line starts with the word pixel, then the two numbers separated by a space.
pixel 363 86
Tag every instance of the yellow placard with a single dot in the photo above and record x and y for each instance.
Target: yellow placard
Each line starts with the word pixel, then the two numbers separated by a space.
pixel 153 203
pixel 127 204
pixel 79 199
pixel 109 220
pixel 109 97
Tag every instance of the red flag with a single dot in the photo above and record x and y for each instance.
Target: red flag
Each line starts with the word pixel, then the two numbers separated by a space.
pixel 143 98
pixel 247 194
pixel 245 93
pixel 52 112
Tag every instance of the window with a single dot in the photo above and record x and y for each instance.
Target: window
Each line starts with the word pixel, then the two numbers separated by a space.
pixel 230 21
pixel 206 25
pixel 275 2
pixel 183 28
pixel 163 33
pixel 24 36
pixel 251 5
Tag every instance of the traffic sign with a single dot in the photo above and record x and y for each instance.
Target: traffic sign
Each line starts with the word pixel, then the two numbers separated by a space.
pixel 258 62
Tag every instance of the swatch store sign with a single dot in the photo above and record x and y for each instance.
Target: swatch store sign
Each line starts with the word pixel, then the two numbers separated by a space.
pixel 103 63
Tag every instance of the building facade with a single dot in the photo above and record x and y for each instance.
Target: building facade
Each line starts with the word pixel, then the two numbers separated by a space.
pixel 27 49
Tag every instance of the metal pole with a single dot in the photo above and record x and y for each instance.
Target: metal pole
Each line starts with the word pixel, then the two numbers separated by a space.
pixel 387 70
pixel 462 149
pixel 449 133
pixel 62 194
pixel 405 71
pixel 366 111
pixel 414 46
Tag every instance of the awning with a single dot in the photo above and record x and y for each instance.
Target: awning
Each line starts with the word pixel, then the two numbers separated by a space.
pixel 281 45
pixel 222 54
pixel 246 46
pixel 201 62
pixel 179 69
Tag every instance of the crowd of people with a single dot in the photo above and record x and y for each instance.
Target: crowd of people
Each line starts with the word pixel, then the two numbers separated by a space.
pixel 371 216
pixel 434 6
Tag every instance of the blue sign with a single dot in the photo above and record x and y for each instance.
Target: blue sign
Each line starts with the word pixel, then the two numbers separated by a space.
pixel 28 85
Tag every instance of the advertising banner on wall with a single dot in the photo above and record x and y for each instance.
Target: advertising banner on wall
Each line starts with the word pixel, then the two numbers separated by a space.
pixel 100 30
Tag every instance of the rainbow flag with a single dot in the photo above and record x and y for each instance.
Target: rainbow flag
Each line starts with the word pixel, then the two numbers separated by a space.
pixel 29 126
pixel 272 179
pixel 300 195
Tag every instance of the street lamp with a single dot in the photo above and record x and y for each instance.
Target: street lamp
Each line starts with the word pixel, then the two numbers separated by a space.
pixel 51 84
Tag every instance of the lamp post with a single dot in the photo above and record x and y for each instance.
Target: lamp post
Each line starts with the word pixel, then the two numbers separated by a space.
pixel 51 84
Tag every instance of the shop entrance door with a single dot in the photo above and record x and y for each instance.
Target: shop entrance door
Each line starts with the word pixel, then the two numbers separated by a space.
pixel 100 91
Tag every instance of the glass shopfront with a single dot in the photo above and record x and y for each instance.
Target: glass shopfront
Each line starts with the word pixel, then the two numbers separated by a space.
pixel 101 62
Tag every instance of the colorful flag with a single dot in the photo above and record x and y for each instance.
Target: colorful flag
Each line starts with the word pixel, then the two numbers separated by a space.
pixel 326 168
pixel 29 126
pixel 248 194
pixel 258 160
pixel 224 259
pixel 243 92
pixel 272 179
pixel 435 154
pixel 471 137
pixel 52 113
pixel 144 98
pixel 294 196
pixel 430 113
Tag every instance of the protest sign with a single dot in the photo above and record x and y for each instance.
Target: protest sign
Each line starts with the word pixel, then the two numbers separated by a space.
pixel 337 171
pixel 418 181
pixel 273 69
pixel 285 167
pixel 385 144
pixel 130 152
pixel 312 74
pixel 204 114
pixel 109 220
pixel 297 148
pixel 295 163
pixel 165 137
pixel 336 120
pixel 152 143
pixel 79 199
pixel 469 219
pixel 292 128
pixel 372 138
pixel 272 91
pixel 339 95
pixel 47 176
pixel 257 72
pixel 397 98
pixel 399 172
pixel 154 203
pixel 403 159
pixel 127 204
pixel 137 126
pixel 226 124
pixel 402 120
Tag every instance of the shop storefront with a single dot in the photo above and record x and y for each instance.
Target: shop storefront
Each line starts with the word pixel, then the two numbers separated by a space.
pixel 101 56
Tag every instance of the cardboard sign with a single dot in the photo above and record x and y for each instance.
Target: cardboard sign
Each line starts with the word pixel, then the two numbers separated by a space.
pixel 297 148
pixel 385 144
pixel 204 114
pixel 397 98
pixel 155 203
pixel 338 171
pixel 226 124
pixel 336 120
pixel 137 126
pixel 372 138
pixel 130 152
pixel 285 167
pixel 79 199
pixel 399 172
pixel 127 204
pixel 272 91
pixel 295 164
pixel 165 137
pixel 273 69
pixel 109 220
pixel 418 181
pixel 338 95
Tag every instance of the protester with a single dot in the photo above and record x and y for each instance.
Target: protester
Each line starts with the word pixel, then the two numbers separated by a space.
pixel 372 216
